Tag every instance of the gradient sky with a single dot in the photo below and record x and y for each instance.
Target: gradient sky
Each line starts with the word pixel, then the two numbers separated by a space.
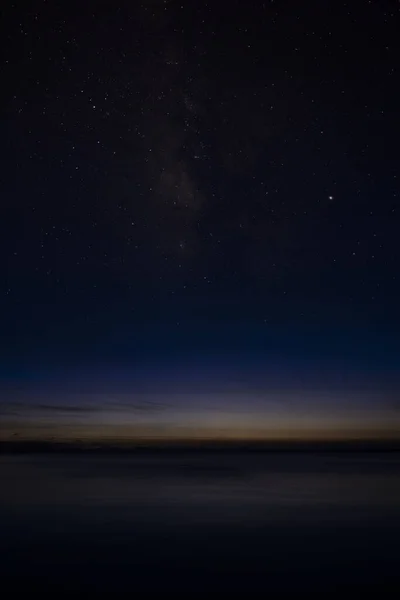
pixel 200 204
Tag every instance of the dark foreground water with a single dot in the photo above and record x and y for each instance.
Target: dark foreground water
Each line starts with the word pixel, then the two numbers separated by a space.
pixel 201 524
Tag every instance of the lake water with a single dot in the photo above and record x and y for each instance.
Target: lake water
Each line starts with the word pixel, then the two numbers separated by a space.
pixel 201 522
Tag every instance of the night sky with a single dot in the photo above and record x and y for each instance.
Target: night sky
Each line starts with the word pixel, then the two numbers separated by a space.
pixel 200 217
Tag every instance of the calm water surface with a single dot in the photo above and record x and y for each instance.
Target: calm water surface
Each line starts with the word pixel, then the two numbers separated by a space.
pixel 284 523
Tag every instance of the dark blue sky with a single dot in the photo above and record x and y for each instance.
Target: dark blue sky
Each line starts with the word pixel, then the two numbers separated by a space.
pixel 196 186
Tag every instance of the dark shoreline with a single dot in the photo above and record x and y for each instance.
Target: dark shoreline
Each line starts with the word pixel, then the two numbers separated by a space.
pixel 153 447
